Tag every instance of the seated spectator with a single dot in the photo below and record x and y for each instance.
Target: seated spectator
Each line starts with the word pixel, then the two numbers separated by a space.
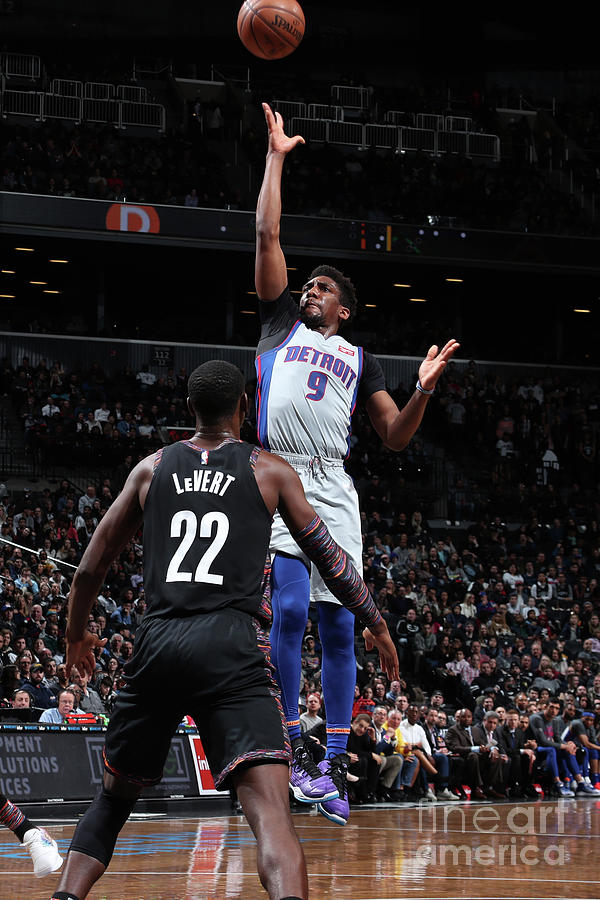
pixel 364 703
pixel 403 787
pixel 520 752
pixel 460 740
pixel 391 763
pixel 22 699
pixel 445 775
pixel 58 714
pixel 89 701
pixel 42 696
pixel 364 762
pixel 311 717
pixel 417 742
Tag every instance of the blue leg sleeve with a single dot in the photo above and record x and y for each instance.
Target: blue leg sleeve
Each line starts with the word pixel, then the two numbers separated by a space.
pixel 290 599
pixel 338 672
pixel 548 754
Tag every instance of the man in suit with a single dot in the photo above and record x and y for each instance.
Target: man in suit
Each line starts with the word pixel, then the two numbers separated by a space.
pixel 547 728
pixel 461 743
pixel 520 751
pixel 391 763
pixel 491 759
pixel 442 759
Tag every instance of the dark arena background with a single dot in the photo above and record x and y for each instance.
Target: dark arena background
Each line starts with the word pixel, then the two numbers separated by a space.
pixel 452 170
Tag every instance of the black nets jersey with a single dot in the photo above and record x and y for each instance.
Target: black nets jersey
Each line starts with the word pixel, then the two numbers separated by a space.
pixel 206 531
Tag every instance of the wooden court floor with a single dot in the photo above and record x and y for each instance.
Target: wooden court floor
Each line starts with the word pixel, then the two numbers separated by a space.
pixel 437 851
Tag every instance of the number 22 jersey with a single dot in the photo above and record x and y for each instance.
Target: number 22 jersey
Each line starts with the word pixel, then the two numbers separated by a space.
pixel 200 555
pixel 308 384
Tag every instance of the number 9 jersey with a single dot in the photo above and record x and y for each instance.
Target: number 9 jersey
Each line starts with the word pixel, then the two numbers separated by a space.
pixel 199 554
pixel 308 384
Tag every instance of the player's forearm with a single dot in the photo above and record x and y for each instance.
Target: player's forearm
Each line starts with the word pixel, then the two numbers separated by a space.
pixel 88 580
pixel 400 430
pixel 338 573
pixel 82 596
pixel 268 208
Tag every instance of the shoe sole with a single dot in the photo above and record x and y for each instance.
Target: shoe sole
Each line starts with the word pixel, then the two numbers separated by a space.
pixel 339 820
pixel 303 798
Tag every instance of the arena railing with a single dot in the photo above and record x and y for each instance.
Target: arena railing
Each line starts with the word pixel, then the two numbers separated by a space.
pixel 357 135
pixel 22 103
pixel 66 88
pixel 429 121
pixel 398 117
pixel 290 109
pixel 311 129
pixel 102 111
pixel 132 93
pixel 381 136
pixel 483 145
pixel 324 111
pixel 21 65
pixel 57 106
pixel 148 115
pixel 458 123
pixel 350 133
pixel 350 97
pixel 39 106
pixel 418 139
pixel 452 142
pixel 98 90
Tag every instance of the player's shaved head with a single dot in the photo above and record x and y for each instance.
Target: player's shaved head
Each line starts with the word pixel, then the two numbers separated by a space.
pixel 214 389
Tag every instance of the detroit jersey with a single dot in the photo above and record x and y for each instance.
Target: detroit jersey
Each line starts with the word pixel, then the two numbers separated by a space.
pixel 307 384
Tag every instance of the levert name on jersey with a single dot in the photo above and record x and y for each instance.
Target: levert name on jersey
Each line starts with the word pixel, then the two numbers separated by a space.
pixel 204 480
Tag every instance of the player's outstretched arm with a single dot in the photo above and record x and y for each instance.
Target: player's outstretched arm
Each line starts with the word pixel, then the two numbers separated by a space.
pixel 270 269
pixel 281 487
pixel 396 426
pixel 118 526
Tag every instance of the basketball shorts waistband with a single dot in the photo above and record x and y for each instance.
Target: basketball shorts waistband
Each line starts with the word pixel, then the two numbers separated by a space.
pixel 297 459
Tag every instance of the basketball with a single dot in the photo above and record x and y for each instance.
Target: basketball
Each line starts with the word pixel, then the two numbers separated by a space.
pixel 270 29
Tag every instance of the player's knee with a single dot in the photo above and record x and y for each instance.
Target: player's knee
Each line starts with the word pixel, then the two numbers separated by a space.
pixel 97 832
pixel 291 591
pixel 336 627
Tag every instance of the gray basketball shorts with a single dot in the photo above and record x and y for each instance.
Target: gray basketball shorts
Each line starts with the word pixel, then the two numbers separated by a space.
pixel 330 491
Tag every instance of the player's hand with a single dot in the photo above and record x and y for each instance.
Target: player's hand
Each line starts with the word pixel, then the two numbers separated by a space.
pixel 81 653
pixel 279 142
pixel 388 657
pixel 434 364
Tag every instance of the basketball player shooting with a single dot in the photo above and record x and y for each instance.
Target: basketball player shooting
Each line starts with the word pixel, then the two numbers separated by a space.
pixel 309 380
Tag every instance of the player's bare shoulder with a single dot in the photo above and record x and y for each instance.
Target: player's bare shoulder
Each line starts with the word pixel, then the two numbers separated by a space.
pixel 272 474
pixel 272 465
pixel 140 477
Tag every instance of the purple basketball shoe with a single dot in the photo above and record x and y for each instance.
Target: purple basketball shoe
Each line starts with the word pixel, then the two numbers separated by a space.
pixel 337 810
pixel 308 782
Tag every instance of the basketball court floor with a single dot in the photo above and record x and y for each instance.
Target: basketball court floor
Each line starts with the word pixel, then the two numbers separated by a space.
pixel 522 851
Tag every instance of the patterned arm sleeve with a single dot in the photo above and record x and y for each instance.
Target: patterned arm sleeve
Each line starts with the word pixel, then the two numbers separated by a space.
pixel 337 571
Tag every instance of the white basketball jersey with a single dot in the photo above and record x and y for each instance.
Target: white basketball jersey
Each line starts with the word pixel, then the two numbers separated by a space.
pixel 306 394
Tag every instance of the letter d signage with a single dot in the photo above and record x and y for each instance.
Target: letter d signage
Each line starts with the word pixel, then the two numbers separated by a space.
pixel 126 217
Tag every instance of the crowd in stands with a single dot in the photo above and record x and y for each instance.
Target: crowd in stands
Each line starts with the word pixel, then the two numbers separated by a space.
pixel 103 163
pixel 521 433
pixel 186 167
pixel 500 613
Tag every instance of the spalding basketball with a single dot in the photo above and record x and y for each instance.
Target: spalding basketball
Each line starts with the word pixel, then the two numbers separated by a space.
pixel 270 29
